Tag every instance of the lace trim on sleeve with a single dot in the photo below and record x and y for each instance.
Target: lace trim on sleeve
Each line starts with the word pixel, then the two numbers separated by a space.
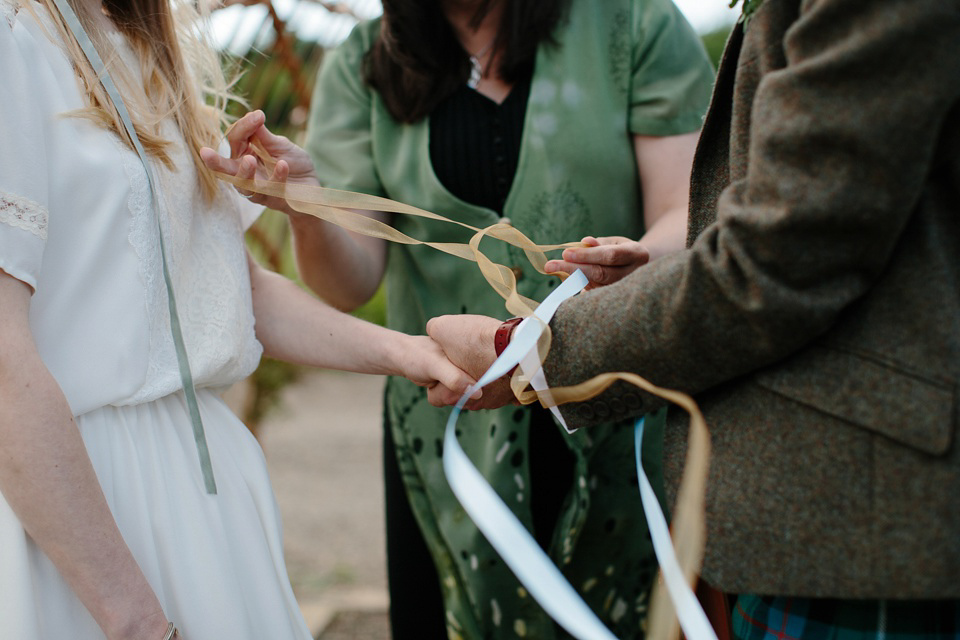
pixel 23 213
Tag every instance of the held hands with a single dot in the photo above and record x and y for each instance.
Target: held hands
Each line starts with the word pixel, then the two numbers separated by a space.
pixel 467 340
pixel 293 163
pixel 603 261
pixel 426 365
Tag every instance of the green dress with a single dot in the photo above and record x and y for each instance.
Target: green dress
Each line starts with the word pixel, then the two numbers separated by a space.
pixel 619 67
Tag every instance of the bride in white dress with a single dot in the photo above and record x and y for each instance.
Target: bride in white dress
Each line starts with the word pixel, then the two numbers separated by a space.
pixel 106 529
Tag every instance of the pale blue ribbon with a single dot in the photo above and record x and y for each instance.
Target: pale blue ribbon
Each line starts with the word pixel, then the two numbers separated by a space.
pixel 185 376
pixel 538 574
pixel 505 532
pixel 692 619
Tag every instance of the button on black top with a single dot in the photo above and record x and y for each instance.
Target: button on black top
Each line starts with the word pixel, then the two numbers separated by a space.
pixel 475 144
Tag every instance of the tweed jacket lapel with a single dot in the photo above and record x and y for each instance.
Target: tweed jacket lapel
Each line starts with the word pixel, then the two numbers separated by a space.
pixel 711 170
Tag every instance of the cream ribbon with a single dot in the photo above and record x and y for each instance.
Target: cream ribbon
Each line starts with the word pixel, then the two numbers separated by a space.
pixel 689 532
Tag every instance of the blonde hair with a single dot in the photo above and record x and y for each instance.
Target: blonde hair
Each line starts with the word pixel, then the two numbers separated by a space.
pixel 181 76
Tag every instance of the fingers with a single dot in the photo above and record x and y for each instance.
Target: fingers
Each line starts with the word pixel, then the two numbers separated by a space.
pixel 437 329
pixel 608 240
pixel 604 261
pixel 597 274
pixel 244 167
pixel 247 168
pixel 556 266
pixel 440 395
pixel 453 380
pixel 611 254
pixel 270 139
pixel 281 171
pixel 216 162
pixel 242 130
pixel 495 395
pixel 450 383
pixel 452 338
pixel 466 339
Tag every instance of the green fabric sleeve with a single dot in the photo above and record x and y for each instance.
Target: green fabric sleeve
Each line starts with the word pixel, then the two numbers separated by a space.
pixel 672 75
pixel 339 135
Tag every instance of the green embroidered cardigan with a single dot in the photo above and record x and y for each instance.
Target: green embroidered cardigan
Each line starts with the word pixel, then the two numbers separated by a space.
pixel 621 67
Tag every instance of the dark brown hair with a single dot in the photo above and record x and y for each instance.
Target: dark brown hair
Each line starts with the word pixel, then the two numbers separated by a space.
pixel 416 61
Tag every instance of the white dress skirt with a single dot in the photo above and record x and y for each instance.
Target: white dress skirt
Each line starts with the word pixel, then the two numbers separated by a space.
pixel 77 225
pixel 215 562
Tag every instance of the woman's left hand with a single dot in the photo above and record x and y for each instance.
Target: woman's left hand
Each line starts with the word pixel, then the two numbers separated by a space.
pixel 604 260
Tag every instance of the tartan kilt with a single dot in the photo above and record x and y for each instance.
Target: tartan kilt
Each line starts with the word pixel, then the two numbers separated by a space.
pixel 781 618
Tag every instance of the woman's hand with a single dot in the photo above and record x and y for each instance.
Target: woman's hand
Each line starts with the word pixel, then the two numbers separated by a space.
pixel 343 267
pixel 293 164
pixel 424 363
pixel 604 260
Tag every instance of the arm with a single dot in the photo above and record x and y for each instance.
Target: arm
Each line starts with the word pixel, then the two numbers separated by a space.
pixel 49 482
pixel 294 326
pixel 664 164
pixel 343 267
pixel 669 92
pixel 837 167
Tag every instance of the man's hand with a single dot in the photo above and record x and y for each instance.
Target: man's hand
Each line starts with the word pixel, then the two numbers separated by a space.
pixel 467 340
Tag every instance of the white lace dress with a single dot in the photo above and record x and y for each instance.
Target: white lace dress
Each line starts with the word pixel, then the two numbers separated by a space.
pixel 76 225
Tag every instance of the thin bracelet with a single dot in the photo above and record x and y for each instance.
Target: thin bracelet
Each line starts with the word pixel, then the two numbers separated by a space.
pixel 171 632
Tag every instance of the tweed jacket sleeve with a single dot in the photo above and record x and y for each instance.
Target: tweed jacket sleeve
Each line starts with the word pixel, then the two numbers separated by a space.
pixel 843 161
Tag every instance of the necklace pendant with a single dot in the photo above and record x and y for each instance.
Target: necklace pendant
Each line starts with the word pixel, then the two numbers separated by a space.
pixel 476 73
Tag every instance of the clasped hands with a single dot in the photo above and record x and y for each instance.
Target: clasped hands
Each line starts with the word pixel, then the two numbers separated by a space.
pixel 466 340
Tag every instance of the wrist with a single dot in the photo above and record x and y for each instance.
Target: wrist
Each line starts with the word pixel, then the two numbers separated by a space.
pixel 299 221
pixel 400 349
pixel 503 336
pixel 504 333
pixel 152 626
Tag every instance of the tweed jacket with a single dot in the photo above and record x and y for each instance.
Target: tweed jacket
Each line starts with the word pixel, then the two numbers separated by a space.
pixel 815 315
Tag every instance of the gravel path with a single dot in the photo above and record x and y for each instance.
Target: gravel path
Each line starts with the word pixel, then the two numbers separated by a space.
pixel 323 450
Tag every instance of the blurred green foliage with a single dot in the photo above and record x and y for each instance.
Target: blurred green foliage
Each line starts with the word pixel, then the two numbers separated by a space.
pixel 714 41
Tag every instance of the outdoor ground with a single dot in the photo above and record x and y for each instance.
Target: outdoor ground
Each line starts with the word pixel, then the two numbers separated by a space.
pixel 323 451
